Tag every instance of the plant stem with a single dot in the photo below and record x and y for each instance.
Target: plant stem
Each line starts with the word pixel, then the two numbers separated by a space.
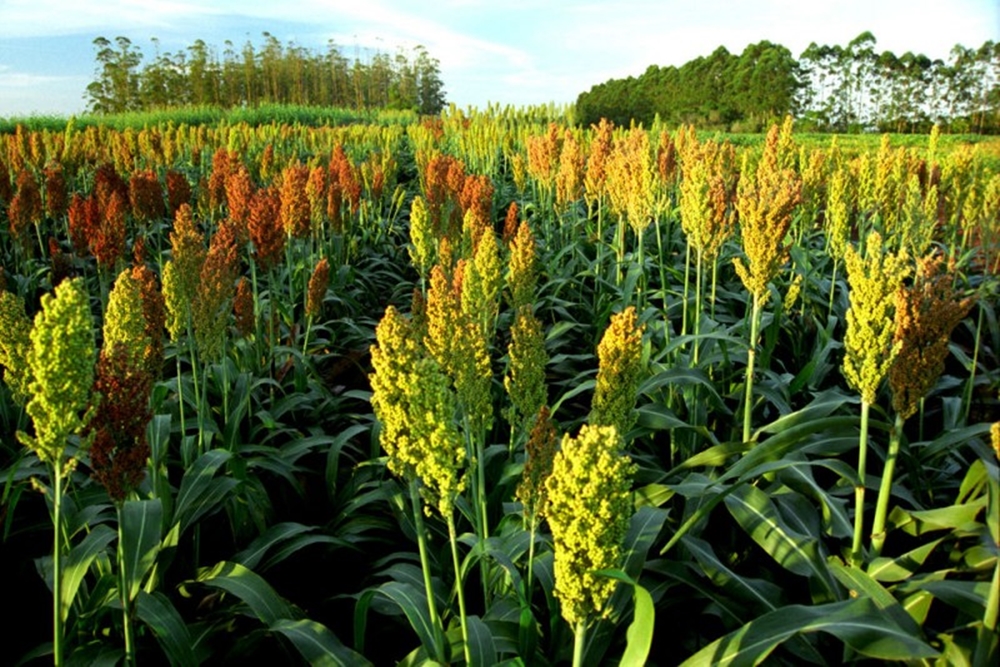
pixel 885 489
pixel 833 289
pixel 859 489
pixel 579 640
pixel 453 538
pixel 751 356
pixel 57 547
pixel 123 595
pixel 418 520
pixel 972 372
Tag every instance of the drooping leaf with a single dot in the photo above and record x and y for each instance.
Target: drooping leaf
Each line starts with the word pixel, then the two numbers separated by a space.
pixel 79 560
pixel 201 492
pixel 858 623
pixel 317 644
pixel 250 588
pixel 157 612
pixel 140 528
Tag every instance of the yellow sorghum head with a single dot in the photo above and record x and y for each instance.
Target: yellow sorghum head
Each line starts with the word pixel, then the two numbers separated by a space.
pixel 873 280
pixel 413 402
pixel 629 179
pixel 705 194
pixel 397 349
pixel 482 282
pixel 457 343
pixel 437 450
pixel 765 201
pixel 423 241
pixel 15 343
pixel 569 177
pixel 588 511
pixel 995 437
pixel 61 359
pixel 525 379
pixel 540 451
pixel 125 322
pixel 619 357
pixel 522 274
pixel 600 149
pixel 926 314
pixel 839 203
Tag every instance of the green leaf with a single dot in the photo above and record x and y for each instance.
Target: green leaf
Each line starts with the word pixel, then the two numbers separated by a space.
pixel 901 567
pixel 858 623
pixel 317 644
pixel 482 648
pixel 140 540
pixel 252 555
pixel 78 561
pixel 759 591
pixel 413 604
pixel 858 582
pixel 159 613
pixel 968 597
pixel 797 552
pixel 823 405
pixel 200 491
pixel 249 587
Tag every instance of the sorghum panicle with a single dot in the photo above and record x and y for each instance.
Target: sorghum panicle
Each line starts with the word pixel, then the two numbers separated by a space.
pixel 540 451
pixel 926 314
pixel 874 280
pixel 589 509
pixel 619 371
pixel 61 359
pixel 318 282
pixel 15 343
pixel 522 274
pixel 525 378
pixel 265 229
pixel 765 201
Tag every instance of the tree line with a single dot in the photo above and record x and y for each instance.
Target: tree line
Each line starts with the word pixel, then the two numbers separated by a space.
pixel 270 73
pixel 850 88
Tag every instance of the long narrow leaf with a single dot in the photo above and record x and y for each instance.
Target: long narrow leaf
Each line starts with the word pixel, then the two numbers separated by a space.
pixel 249 587
pixel 141 521
pixel 858 623
pixel 79 560
pixel 317 644
pixel 157 612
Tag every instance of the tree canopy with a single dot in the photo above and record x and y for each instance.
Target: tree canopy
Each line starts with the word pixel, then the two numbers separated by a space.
pixel 835 88
pixel 269 73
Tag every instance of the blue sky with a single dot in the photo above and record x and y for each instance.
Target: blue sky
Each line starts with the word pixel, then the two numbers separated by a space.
pixel 507 51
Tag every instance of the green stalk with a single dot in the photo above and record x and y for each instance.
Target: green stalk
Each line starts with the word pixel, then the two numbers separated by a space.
pixel 751 356
pixel 425 566
pixel 684 299
pixel 453 538
pixel 975 362
pixel 57 548
pixel 859 490
pixel 993 602
pixel 663 276
pixel 833 288
pixel 697 305
pixel 528 584
pixel 884 491
pixel 123 596
pixel 579 640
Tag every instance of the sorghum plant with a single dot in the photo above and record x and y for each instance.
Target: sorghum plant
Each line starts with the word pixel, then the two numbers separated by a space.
pixel 589 507
pixel 869 349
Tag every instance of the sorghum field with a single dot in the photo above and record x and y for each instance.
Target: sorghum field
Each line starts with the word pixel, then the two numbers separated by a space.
pixel 484 388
